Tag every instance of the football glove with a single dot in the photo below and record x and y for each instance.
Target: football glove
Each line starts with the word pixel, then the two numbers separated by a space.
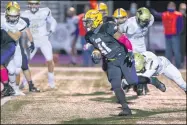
pixel 96 56
pixel 129 59
pixel 31 47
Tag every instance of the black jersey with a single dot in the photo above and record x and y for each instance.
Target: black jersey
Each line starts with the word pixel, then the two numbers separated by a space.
pixel 5 38
pixel 107 19
pixel 102 39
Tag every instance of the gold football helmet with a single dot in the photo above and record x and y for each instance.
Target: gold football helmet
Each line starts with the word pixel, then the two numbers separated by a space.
pixel 13 3
pixel 120 15
pixel 143 16
pixel 12 15
pixel 34 5
pixel 139 62
pixel 103 8
pixel 92 19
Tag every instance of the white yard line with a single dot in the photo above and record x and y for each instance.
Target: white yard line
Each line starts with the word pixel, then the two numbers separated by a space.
pixel 6 99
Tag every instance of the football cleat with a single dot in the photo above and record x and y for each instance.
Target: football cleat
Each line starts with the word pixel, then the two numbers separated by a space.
pixel 33 89
pixel 126 110
pixel 7 91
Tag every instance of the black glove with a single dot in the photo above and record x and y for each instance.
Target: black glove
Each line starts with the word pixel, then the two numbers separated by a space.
pixel 31 47
pixel 96 57
pixel 129 59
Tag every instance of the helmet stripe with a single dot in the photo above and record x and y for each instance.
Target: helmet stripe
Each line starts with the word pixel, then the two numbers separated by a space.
pixel 99 6
pixel 119 12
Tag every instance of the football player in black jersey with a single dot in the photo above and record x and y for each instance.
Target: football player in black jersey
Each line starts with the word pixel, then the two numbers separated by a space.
pixel 103 9
pixel 8 47
pixel 117 50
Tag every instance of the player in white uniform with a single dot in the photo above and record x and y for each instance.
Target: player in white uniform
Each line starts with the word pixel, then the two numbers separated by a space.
pixel 11 21
pixel 39 18
pixel 136 28
pixel 148 64
pixel 24 66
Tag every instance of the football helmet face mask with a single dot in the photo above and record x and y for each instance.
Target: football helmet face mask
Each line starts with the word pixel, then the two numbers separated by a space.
pixel 12 15
pixel 139 62
pixel 120 15
pixel 33 6
pixel 92 19
pixel 143 17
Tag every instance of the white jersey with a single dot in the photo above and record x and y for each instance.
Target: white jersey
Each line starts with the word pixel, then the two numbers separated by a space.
pixel 39 20
pixel 20 26
pixel 135 33
pixel 157 65
pixel 152 64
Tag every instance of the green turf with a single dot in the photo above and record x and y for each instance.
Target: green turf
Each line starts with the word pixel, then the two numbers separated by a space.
pixel 10 109
pixel 111 99
pixel 139 115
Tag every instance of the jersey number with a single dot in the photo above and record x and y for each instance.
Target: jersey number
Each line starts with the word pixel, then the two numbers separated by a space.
pixel 102 46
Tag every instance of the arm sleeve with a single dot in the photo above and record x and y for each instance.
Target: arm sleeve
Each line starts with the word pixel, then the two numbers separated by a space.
pixel 156 14
pixel 179 24
pixel 52 21
pixel 111 28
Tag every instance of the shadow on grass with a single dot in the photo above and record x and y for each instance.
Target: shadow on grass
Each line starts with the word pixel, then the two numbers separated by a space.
pixel 10 109
pixel 112 99
pixel 114 119
pixel 92 94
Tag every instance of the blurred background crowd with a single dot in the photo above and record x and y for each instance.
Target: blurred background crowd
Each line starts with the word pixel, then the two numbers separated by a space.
pixel 69 16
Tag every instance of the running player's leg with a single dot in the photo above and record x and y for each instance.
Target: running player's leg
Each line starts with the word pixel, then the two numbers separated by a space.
pixel 46 49
pixel 27 73
pixel 114 77
pixel 174 74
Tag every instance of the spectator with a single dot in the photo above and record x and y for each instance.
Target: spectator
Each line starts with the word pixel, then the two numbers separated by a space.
pixel 72 23
pixel 132 10
pixel 182 9
pixel 173 23
pixel 87 61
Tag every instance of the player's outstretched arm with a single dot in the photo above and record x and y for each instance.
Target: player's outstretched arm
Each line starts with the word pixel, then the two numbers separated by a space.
pixel 52 21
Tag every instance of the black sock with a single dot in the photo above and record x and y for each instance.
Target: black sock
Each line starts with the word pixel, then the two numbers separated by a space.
pixel 155 82
pixel 30 82
pixel 6 85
